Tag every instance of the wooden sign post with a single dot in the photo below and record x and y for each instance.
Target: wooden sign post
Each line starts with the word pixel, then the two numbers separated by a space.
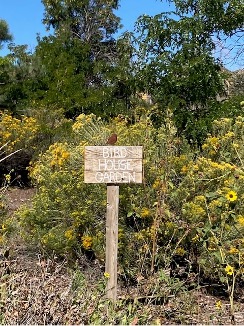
pixel 112 240
pixel 113 165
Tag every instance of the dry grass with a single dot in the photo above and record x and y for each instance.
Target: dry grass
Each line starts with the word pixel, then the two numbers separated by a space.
pixel 37 290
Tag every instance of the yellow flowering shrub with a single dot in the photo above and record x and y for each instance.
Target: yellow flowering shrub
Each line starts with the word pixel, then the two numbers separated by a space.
pixel 226 143
pixel 60 154
pixel 190 204
pixel 17 132
pixel 68 215
pixel 213 190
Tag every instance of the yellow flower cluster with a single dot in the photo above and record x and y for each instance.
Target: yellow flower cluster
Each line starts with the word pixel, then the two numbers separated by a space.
pixel 2 205
pixel 3 227
pixel 210 165
pixel 196 238
pixel 240 220
pixel 156 184
pixel 200 199
pixel 184 169
pixel 193 211
pixel 144 234
pixel 211 143
pixel 47 238
pixel 228 135
pixel 86 242
pixel 180 160
pixel 180 251
pixel 215 204
pixel 212 244
pixel 145 212
pixel 233 250
pixel 226 142
pixel 69 234
pixel 59 153
pixel 83 120
pixel 207 168
pixel 17 132
pixel 218 304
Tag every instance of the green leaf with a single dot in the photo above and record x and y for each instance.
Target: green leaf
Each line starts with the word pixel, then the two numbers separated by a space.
pixel 212 195
pixel 217 255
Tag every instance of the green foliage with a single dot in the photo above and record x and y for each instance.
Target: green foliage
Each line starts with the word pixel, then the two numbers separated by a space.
pixel 72 80
pixel 88 20
pixel 5 35
pixel 188 213
pixel 80 68
pixel 176 63
pixel 70 212
pixel 100 311
pixel 20 79
pixel 83 63
pixel 7 223
pixel 219 15
pixel 232 107
pixel 4 227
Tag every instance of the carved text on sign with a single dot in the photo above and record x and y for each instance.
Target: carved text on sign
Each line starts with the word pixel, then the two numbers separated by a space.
pixel 113 164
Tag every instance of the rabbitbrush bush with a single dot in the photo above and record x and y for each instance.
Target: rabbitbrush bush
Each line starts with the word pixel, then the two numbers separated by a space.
pixel 69 216
pixel 189 207
pixel 17 132
pixel 29 135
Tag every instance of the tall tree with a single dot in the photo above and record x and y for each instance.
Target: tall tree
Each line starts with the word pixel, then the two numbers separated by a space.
pixel 176 62
pixel 82 59
pixel 91 21
pixel 86 19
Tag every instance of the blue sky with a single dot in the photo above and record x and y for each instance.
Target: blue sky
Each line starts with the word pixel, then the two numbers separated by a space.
pixel 24 17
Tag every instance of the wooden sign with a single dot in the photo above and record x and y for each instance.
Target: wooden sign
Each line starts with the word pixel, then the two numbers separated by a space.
pixel 113 164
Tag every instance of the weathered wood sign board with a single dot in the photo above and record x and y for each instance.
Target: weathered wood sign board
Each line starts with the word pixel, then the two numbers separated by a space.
pixel 113 164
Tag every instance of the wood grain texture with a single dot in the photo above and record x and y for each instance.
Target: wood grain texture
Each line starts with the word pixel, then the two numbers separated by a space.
pixel 113 164
pixel 112 240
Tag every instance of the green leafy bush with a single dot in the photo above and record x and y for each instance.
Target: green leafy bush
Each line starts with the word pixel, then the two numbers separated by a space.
pixel 188 209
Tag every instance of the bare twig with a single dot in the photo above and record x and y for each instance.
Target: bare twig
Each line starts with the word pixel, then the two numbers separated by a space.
pixel 18 150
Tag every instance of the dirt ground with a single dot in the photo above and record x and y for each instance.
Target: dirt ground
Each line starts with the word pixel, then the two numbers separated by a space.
pixel 40 290
pixel 18 196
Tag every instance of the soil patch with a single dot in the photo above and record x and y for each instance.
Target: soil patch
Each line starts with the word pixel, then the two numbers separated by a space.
pixel 18 196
